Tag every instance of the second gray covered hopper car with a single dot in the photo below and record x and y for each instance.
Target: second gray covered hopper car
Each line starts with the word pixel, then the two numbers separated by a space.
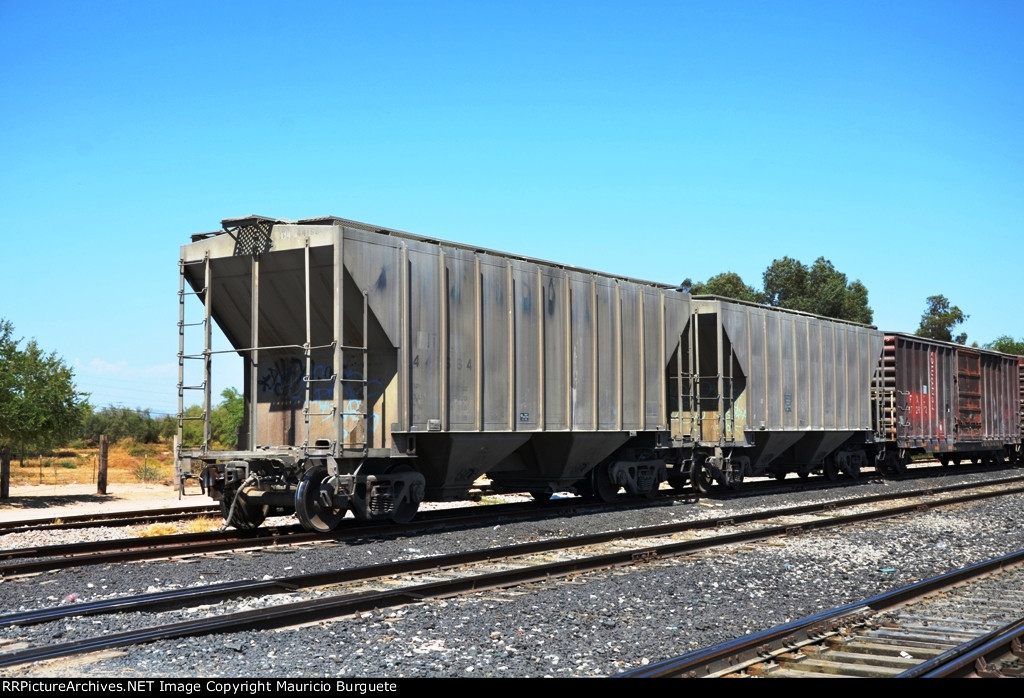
pixel 775 391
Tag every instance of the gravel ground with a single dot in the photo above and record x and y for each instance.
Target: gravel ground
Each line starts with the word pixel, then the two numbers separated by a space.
pixel 596 624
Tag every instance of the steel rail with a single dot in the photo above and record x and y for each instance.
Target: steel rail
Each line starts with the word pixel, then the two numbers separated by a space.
pixel 120 550
pixel 99 552
pixel 975 657
pixel 731 654
pixel 120 518
pixel 63 550
pixel 167 544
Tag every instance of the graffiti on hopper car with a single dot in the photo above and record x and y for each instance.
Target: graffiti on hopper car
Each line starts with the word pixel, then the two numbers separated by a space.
pixel 284 383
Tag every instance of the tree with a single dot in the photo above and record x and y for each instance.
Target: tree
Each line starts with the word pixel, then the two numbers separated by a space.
pixel 8 354
pixel 939 319
pixel 227 418
pixel 39 404
pixel 785 284
pixel 821 289
pixel 727 284
pixel 1007 345
pixel 121 423
pixel 192 427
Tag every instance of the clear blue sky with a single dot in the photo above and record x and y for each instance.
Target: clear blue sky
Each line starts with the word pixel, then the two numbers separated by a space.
pixel 658 140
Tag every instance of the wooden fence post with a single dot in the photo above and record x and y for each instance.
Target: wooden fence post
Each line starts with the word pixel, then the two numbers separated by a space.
pixel 101 477
pixel 5 473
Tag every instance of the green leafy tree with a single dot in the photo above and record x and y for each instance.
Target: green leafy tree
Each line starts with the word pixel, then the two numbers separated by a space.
pixel 855 304
pixel 39 404
pixel 192 427
pixel 728 284
pixel 940 319
pixel 168 427
pixel 788 283
pixel 8 380
pixel 227 418
pixel 120 423
pixel 1007 345
pixel 820 289
pixel 785 284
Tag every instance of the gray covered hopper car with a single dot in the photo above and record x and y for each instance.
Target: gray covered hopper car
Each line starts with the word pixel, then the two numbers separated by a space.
pixel 774 392
pixel 382 369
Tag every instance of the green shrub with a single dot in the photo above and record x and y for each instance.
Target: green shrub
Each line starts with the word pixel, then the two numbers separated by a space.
pixel 147 472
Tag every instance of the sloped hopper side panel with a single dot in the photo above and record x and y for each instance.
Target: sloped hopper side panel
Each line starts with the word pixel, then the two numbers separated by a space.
pixel 280 386
pixel 274 367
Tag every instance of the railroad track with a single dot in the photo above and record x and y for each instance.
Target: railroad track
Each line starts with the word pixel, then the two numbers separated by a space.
pixel 969 622
pixel 399 583
pixel 765 486
pixel 120 518
pixel 33 560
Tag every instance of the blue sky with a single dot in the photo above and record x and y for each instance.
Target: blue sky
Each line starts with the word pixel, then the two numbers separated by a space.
pixel 658 140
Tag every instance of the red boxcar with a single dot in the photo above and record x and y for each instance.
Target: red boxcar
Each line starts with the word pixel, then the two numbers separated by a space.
pixel 946 399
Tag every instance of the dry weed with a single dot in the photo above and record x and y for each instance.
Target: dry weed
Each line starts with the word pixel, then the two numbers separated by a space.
pixel 203 524
pixel 159 529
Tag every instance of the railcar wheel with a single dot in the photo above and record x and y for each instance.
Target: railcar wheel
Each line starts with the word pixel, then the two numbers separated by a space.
pixel 736 479
pixel 541 495
pixel 585 487
pixel 405 510
pixel 678 480
pixel 309 507
pixel 700 478
pixel 831 469
pixel 780 476
pixel 247 515
pixel 604 489
pixel 944 460
pixel 895 463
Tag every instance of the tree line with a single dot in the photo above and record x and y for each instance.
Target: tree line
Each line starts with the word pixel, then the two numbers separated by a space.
pixel 822 289
pixel 788 283
pixel 119 423
pixel 42 409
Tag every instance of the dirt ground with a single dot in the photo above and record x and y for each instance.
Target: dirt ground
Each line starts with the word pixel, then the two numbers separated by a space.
pixel 49 501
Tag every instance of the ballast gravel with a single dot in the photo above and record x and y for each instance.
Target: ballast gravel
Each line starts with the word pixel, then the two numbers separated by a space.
pixel 594 624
